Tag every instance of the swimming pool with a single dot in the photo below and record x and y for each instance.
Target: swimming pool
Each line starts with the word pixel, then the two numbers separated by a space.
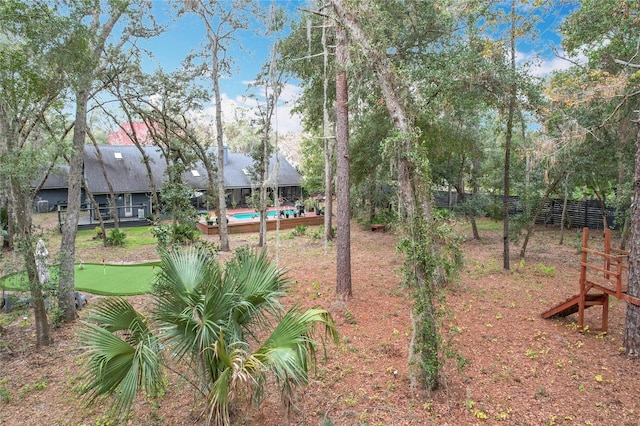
pixel 270 215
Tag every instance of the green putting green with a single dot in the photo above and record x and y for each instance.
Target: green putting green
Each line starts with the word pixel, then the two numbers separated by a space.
pixel 98 278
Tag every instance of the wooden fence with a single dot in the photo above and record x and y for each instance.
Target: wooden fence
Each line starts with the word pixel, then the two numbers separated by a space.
pixel 580 213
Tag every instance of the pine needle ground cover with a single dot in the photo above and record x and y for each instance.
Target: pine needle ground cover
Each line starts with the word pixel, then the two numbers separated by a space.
pixel 98 278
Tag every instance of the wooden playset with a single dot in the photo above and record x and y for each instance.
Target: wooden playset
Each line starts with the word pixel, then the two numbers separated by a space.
pixel 602 274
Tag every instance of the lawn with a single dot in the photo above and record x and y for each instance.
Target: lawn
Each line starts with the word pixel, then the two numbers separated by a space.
pixel 98 278
pixel 136 237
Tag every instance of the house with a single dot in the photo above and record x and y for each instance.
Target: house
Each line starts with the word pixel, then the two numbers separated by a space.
pixel 239 183
pixel 129 179
pixel 54 190
pixel 127 174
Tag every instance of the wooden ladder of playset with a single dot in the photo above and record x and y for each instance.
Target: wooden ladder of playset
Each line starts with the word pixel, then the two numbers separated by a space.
pixel 605 278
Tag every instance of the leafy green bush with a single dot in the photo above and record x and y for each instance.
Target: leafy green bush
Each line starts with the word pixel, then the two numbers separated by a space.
pixel 184 233
pixel 116 237
pixel 212 249
pixel 98 232
pixel 5 396
pixel 442 215
pixel 163 234
pixel 179 234
pixel 299 230
pixel 545 271
pixel 494 210
pixel 384 217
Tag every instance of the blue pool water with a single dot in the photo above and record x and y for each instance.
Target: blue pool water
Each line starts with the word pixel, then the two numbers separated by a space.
pixel 248 216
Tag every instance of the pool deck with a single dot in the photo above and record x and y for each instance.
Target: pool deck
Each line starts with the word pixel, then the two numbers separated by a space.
pixel 238 226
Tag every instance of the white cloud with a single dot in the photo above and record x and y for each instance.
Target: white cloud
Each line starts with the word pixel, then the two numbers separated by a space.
pixel 245 107
pixel 288 122
pixel 541 67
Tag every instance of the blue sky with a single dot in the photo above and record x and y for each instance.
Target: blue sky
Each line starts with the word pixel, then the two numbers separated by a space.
pixel 249 53
pixel 548 39
pixel 187 33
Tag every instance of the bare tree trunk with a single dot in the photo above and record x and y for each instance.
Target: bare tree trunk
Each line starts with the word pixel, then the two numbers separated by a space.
pixel 624 238
pixel 272 94
pixel 632 321
pixel 507 145
pixel 155 200
pixel 416 204
pixel 343 263
pixel 96 208
pixel 564 208
pixel 621 203
pixel 537 214
pixel 222 196
pixel 329 147
pixel 603 209
pixel 372 188
pixel 24 244
pixel 19 201
pixel 66 299
pixel 398 114
pixel 470 216
pixel 7 241
pixel 20 224
pixel 475 163
pixel 262 206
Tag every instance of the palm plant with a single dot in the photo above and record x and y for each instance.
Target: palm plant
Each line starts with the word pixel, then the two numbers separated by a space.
pixel 225 323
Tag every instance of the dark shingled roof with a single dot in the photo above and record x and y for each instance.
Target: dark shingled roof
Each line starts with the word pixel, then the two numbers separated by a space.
pixel 58 178
pixel 127 172
pixel 235 176
pixel 125 169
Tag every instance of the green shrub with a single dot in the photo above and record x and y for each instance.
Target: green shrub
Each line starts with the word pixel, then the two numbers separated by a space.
pixel 5 396
pixel 384 217
pixel 162 234
pixel 98 231
pixel 212 249
pixel 299 230
pixel 494 210
pixel 184 233
pixel 116 237
pixel 180 234
pixel 318 234
pixel 545 271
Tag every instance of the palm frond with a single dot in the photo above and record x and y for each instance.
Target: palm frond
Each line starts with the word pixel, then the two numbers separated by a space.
pixel 118 367
pixel 240 371
pixel 290 347
pixel 259 283
pixel 185 271
pixel 116 314
pixel 188 285
pixel 219 400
